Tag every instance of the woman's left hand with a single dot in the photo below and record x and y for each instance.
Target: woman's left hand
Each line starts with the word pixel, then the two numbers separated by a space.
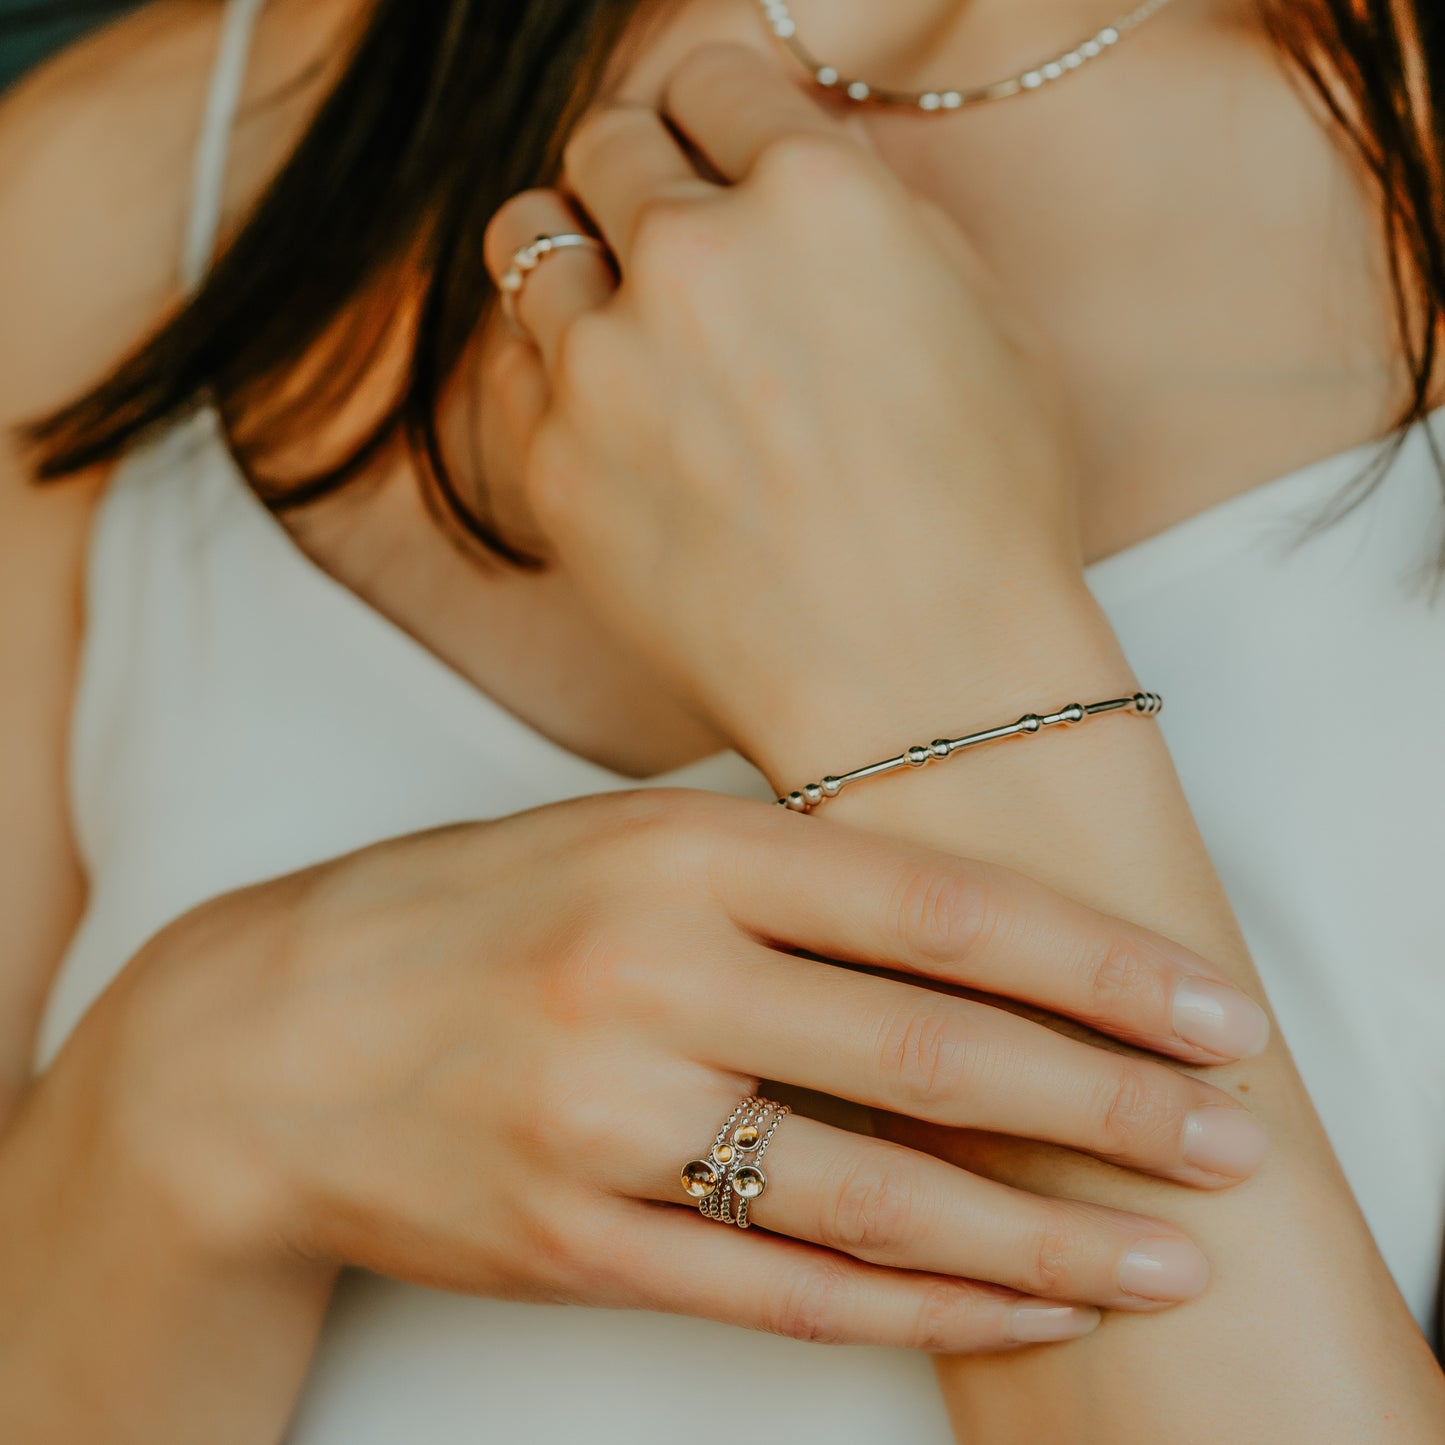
pixel 801 436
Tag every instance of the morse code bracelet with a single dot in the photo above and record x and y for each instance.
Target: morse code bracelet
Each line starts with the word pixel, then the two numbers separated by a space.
pixel 1141 704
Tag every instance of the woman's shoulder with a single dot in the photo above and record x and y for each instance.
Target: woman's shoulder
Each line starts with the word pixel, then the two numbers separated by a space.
pixel 92 181
pixel 96 160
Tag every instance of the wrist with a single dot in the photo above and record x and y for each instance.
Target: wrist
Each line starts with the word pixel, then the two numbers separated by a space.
pixel 74 1175
pixel 117 1313
pixel 158 1123
pixel 1033 650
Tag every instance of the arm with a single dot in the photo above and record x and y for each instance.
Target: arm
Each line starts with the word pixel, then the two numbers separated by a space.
pixel 1303 1335
pixel 119 1323
pixel 115 1323
pixel 113 1327
pixel 836 556
pixel 175 1192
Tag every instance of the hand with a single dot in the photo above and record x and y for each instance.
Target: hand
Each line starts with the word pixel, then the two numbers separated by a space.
pixel 802 438
pixel 477 1059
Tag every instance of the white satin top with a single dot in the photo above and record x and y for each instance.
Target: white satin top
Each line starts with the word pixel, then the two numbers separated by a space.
pixel 242 715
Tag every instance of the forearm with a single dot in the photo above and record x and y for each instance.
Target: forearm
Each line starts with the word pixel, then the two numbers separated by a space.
pixel 1302 1335
pixel 118 1322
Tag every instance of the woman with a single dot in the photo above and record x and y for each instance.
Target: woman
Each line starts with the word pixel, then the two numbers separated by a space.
pixel 474 1059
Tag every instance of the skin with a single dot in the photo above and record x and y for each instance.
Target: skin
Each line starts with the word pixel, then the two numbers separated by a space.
pixel 655 472
pixel 463 1144
pixel 240 1245
pixel 272 1311
pixel 1287 379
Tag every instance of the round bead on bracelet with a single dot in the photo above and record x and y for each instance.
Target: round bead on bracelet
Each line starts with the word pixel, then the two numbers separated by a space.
pixel 813 795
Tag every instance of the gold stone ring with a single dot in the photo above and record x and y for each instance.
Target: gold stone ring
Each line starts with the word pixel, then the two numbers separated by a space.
pixel 731 1171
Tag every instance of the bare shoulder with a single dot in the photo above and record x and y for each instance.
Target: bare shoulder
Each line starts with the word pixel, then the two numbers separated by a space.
pixel 96 156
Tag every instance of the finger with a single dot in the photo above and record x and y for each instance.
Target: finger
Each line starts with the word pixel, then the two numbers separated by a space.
pixel 515 395
pixel 620 162
pixel 674 1260
pixel 810 884
pixel 511 397
pixel 734 104
pixel 969 1065
pixel 887 1205
pixel 566 285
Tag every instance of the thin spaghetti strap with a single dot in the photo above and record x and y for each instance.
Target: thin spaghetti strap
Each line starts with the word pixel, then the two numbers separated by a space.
pixel 208 181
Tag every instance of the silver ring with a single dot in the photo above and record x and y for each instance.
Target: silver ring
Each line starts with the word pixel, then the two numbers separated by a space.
pixel 525 261
pixel 731 1169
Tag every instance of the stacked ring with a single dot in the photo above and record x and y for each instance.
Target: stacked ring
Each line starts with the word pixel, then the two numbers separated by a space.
pixel 526 260
pixel 731 1169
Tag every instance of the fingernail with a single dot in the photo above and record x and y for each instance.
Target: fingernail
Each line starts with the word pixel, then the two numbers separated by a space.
pixel 1216 1017
pixel 1225 1141
pixel 1164 1269
pixel 1043 1324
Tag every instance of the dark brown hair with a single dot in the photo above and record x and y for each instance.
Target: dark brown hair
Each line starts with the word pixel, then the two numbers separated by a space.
pixel 1377 70
pixel 445 108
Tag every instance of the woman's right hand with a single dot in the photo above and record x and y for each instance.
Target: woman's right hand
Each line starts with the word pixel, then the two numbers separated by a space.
pixel 477 1059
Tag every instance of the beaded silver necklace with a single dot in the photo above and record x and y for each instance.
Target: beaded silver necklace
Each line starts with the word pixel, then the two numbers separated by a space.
pixel 861 92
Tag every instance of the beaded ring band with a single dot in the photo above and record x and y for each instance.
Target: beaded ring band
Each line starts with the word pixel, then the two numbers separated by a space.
pixel 747 1180
pixel 731 1166
pixel 813 795
pixel 529 257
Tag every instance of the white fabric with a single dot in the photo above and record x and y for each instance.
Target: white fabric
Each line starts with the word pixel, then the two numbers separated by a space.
pixel 241 715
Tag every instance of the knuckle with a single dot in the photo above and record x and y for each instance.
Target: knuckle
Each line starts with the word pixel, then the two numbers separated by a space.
pixel 945 916
pixel 602 127
pixel 584 1123
pixel 713 64
pixel 928 1054
pixel 1134 1113
pixel 1050 1256
pixel 596 971
pixel 872 1213
pixel 635 813
pixel 816 163
pixel 1119 978
pixel 943 1307
pixel 665 834
pixel 814 1305
pixel 671 233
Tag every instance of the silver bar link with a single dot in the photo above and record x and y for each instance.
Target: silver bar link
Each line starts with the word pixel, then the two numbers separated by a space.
pixel 814 795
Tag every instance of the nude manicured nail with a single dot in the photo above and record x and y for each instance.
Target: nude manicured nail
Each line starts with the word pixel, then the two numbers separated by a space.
pixel 1045 1324
pixel 1225 1141
pixel 1216 1017
pixel 1164 1269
